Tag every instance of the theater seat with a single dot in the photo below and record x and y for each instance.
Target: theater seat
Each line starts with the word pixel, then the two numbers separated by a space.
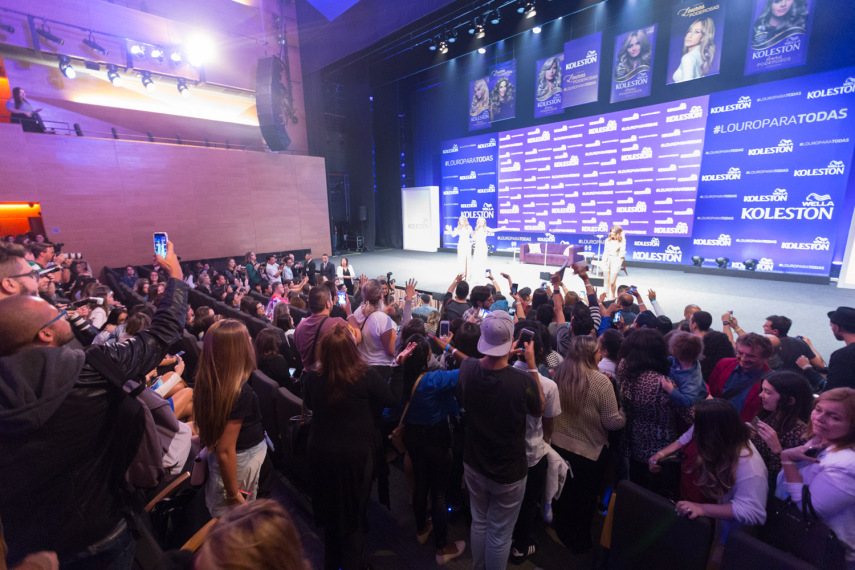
pixel 648 534
pixel 744 552
pixel 288 406
pixel 265 389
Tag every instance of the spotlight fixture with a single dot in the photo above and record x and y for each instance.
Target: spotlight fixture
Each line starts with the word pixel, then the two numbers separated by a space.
pixel 94 46
pixel 750 264
pixel 479 31
pixel 44 32
pixel 698 260
pixel 520 6
pixel 530 9
pixel 443 46
pixel 175 56
pixel 157 53
pixel 536 29
pixel 482 50
pixel 7 28
pixel 473 25
pixel 452 36
pixel 113 75
pixel 722 262
pixel 495 18
pixel 199 50
pixel 65 67
pixel 182 88
pixel 138 50
pixel 147 81
pixel 432 44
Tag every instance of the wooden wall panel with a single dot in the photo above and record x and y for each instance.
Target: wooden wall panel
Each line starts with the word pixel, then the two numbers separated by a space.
pixel 105 197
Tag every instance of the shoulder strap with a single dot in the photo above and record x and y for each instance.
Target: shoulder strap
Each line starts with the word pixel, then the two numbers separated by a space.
pixel 317 336
pixel 407 407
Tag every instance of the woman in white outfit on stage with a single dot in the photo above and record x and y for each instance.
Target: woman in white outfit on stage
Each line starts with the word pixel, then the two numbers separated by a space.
pixel 479 259
pixel 463 232
pixel 613 256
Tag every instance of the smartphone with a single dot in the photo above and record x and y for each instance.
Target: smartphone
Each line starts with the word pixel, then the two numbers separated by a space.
pixel 179 353
pixel 342 298
pixel 514 288
pixel 632 290
pixel 443 328
pixel 512 311
pixel 544 285
pixel 483 313
pixel 87 300
pixel 616 318
pixel 526 335
pixel 731 313
pixel 563 267
pixel 160 239
pixel 814 451
pixel 488 274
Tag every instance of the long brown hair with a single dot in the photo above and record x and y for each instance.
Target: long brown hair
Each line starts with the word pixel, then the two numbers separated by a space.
pixel 572 374
pixel 226 362
pixel 339 360
pixel 721 437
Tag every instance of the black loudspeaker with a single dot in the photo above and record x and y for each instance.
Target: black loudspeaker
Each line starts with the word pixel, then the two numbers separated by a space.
pixel 363 214
pixel 270 94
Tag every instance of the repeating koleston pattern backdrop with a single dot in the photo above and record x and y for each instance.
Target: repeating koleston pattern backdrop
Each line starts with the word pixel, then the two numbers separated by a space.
pixel 753 173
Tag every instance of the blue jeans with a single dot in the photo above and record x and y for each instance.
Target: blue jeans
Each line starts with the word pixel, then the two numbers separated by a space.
pixel 114 552
pixel 495 507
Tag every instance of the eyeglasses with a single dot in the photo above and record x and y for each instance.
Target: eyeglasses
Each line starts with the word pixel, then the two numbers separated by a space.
pixel 62 314
pixel 34 274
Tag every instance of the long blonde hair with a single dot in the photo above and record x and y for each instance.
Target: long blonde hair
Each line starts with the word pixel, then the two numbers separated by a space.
pixel 706 45
pixel 372 297
pixel 227 360
pixel 572 374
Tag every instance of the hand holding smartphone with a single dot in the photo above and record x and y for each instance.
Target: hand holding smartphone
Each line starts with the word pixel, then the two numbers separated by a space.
pixel 342 298
pixel 160 239
pixel 443 328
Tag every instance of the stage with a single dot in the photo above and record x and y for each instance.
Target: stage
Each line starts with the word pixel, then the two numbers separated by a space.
pixel 751 300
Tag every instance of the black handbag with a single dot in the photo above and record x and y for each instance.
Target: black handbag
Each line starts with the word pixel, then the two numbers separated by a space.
pixel 800 532
pixel 298 428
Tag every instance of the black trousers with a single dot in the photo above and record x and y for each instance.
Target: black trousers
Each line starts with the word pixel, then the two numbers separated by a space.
pixel 524 530
pixel 429 448
pixel 574 510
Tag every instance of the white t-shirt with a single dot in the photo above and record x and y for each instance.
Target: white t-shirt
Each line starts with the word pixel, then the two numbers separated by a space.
pixel 371 347
pixel 535 446
pixel 271 271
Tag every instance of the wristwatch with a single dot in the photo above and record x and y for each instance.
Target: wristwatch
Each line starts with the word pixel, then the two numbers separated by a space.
pixel 725 323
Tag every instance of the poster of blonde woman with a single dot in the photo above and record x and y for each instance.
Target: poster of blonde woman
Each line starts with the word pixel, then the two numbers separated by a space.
pixel 479 104
pixel 696 38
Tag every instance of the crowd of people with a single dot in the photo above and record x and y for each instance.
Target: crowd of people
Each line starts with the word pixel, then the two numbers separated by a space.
pixel 526 404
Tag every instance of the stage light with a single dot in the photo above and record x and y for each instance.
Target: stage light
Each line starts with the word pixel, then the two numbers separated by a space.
pixel 698 260
pixel 495 18
pixel 65 67
pixel 520 6
pixel 432 45
pixel 722 262
pixel 199 50
pixel 482 50
pixel 473 25
pixel 44 32
pixel 147 81
pixel 157 53
pixel 443 47
pixel 175 56
pixel 750 264
pixel 138 50
pixel 452 36
pixel 479 31
pixel 94 46
pixel 536 29
pixel 113 75
pixel 7 28
pixel 530 9
pixel 182 88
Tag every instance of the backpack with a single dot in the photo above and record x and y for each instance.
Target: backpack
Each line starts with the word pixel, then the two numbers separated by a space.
pixel 135 448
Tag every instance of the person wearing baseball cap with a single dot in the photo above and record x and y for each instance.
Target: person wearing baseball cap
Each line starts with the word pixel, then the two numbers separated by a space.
pixel 841 365
pixel 497 398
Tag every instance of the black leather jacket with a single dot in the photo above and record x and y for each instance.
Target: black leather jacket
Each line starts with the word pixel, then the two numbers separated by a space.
pixel 56 417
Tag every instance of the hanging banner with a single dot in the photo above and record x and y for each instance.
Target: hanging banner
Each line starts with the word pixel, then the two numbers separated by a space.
pixel 582 70
pixel 547 88
pixel 503 86
pixel 633 64
pixel 779 35
pixel 696 38
pixel 479 105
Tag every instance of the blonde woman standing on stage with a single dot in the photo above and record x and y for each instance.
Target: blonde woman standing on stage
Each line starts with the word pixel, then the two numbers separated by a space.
pixel 463 232
pixel 613 256
pixel 479 259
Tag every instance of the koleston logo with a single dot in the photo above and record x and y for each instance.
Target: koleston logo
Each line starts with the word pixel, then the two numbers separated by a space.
pixel 786 145
pixel 847 87
pixel 744 102
pixel 488 144
pixel 818 244
pixel 732 173
pixel 672 254
pixel 779 195
pixel 450 150
pixel 652 242
pixel 834 167
pixel 766 264
pixel 722 240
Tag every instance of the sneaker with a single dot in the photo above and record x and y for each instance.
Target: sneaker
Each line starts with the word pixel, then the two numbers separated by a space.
pixel 460 546
pixel 518 557
pixel 422 537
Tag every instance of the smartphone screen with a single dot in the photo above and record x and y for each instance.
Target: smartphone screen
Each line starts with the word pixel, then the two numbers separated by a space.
pixel 443 328
pixel 616 318
pixel 487 274
pixel 514 289
pixel 160 239
pixel 483 313
pixel 512 311
pixel 342 298
pixel 544 285
pixel 632 290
